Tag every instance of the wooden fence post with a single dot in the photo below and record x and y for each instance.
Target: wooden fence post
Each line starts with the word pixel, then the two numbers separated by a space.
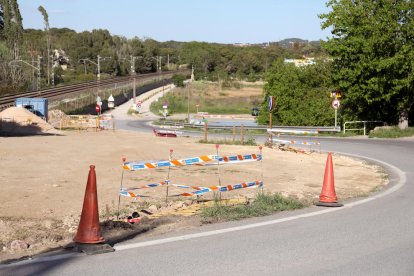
pixel 242 134
pixel 205 132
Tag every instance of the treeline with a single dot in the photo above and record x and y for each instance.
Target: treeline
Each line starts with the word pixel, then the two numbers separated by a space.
pixel 80 51
pixel 24 52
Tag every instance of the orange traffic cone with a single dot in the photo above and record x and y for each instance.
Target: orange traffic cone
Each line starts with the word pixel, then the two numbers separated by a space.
pixel 328 197
pixel 89 231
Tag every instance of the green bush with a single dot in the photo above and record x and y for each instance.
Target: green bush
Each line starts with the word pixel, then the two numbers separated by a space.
pixel 178 80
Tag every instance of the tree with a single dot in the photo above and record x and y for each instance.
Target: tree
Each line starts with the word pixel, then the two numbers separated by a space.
pixel 1 19
pixel 11 25
pixel 372 46
pixel 47 30
pixel 178 80
pixel 301 95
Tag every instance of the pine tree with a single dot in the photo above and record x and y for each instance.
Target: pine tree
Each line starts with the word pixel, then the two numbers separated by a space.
pixel 11 25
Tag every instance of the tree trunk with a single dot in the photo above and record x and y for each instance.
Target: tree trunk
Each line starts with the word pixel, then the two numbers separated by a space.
pixel 403 120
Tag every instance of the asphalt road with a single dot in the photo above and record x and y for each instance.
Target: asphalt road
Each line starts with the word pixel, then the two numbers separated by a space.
pixel 370 236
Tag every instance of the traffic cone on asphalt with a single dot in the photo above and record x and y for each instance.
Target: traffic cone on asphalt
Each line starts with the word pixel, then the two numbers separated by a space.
pixel 89 238
pixel 328 197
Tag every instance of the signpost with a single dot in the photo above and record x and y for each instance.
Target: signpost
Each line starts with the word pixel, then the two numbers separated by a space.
pixel 165 111
pixel 138 105
pixel 335 105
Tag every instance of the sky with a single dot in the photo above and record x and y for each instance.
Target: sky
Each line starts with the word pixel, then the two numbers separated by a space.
pixel 220 21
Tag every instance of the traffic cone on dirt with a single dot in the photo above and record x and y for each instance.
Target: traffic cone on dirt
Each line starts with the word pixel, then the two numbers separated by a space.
pixel 328 197
pixel 89 231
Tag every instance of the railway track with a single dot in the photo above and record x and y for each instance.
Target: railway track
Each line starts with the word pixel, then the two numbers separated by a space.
pixel 8 101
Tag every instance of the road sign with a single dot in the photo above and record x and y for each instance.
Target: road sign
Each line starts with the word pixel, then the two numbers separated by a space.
pixel 337 94
pixel 97 108
pixel 335 104
pixel 271 103
pixel 98 100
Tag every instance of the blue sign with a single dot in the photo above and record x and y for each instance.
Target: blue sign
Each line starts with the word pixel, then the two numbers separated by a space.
pixel 271 103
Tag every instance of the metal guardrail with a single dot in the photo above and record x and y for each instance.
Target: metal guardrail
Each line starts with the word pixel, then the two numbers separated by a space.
pixel 359 122
pixel 317 128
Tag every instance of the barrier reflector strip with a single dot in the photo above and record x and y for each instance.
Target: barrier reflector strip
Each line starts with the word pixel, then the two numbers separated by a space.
pixel 130 194
pixel 254 184
pixel 161 184
pixel 147 186
pixel 306 132
pixel 235 159
pixel 199 160
pixel 307 143
pixel 189 187
pixel 133 166
pixel 199 190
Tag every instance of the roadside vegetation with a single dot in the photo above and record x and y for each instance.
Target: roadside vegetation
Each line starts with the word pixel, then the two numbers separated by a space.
pixel 263 204
pixel 248 142
pixel 211 98
pixel 375 82
pixel 392 132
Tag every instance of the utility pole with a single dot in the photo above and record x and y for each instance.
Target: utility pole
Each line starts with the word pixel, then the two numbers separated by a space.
pixel 99 68
pixel 133 74
pixel 161 77
pixel 192 72
pixel 38 68
pixel 98 64
pixel 188 103
pixel 160 57
pixel 38 72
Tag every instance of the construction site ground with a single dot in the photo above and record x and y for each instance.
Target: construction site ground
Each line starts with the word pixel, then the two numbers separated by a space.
pixel 43 180
pixel 44 177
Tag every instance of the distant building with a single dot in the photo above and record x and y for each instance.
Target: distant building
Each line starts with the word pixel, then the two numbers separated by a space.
pixel 301 62
pixel 60 59
pixel 241 44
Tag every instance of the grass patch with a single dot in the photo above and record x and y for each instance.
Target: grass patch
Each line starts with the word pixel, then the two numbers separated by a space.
pixel 392 132
pixel 339 134
pixel 263 204
pixel 209 99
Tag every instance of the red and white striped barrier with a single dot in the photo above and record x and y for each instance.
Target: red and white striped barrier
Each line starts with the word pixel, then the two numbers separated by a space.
pixel 134 166
pixel 198 189
pixel 235 159
pixel 199 160
pixel 204 190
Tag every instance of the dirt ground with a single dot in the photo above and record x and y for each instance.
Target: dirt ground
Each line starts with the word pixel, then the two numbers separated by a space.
pixel 43 180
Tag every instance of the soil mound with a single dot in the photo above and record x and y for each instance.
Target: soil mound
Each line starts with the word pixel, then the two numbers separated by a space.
pixel 15 121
